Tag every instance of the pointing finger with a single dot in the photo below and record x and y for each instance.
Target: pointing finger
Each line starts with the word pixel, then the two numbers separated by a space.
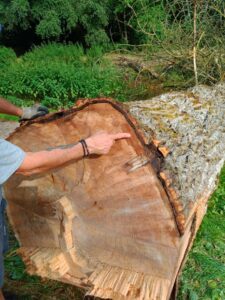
pixel 121 135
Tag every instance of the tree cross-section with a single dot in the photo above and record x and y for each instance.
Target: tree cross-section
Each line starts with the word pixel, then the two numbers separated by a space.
pixel 120 225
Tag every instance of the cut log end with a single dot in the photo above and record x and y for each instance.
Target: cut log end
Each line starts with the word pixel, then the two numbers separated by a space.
pixel 121 224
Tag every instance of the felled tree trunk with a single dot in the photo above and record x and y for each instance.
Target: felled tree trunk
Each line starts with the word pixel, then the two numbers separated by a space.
pixel 120 225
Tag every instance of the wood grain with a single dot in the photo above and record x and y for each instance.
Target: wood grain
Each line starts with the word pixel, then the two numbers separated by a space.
pixel 119 225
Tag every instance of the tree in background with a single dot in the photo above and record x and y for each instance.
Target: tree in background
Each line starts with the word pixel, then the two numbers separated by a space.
pixel 98 22
pixel 162 27
pixel 57 19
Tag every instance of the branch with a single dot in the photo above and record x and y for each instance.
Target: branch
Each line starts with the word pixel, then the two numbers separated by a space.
pixel 194 46
pixel 218 10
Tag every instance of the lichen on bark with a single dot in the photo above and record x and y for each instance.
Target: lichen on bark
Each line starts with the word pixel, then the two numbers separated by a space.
pixel 192 126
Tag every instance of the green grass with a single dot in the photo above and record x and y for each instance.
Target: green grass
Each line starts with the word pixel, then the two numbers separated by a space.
pixel 203 277
pixel 21 286
pixel 8 117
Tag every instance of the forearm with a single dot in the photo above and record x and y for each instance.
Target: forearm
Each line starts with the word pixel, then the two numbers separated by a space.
pixel 1 295
pixel 43 161
pixel 10 109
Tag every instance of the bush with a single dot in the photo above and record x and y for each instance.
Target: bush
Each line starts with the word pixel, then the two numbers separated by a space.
pixel 7 56
pixel 57 75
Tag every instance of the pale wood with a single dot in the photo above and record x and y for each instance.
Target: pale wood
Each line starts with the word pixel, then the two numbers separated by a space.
pixel 120 225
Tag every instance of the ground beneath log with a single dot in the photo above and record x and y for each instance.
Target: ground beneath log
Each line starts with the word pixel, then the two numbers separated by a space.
pixel 18 284
pixel 6 127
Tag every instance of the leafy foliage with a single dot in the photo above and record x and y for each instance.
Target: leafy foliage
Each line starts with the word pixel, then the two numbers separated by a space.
pixel 7 57
pixel 147 20
pixel 53 19
pixel 57 75
pixel 164 30
pixel 158 26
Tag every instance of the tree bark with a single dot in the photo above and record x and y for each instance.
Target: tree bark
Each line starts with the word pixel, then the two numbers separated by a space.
pixel 120 225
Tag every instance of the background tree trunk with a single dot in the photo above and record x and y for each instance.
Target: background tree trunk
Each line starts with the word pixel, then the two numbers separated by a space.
pixel 120 225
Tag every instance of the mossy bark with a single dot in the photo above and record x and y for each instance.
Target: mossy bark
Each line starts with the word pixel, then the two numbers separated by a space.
pixel 190 125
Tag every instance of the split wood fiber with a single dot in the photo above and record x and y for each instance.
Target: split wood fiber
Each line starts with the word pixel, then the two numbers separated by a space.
pixel 120 225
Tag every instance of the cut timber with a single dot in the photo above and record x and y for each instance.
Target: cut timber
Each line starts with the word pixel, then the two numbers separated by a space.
pixel 120 225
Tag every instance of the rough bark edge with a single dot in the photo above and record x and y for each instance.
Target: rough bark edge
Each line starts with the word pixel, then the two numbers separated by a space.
pixel 196 217
pixel 150 144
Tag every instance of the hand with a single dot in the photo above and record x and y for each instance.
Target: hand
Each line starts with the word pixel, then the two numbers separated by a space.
pixel 35 111
pixel 101 143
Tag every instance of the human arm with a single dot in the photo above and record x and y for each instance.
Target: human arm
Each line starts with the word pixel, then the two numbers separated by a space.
pixel 26 113
pixel 1 295
pixel 42 161
pixel 9 109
